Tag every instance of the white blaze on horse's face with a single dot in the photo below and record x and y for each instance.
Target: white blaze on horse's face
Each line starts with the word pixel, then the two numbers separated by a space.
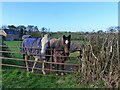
pixel 66 41
pixel 44 44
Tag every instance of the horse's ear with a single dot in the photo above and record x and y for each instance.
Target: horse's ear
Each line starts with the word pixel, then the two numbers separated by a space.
pixel 69 36
pixel 64 36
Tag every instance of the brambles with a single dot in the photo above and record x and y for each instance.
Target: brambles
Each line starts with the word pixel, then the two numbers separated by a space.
pixel 101 59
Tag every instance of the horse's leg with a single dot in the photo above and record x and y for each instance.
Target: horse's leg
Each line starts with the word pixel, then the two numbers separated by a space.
pixel 57 69
pixel 43 63
pixel 53 59
pixel 36 59
pixel 63 61
pixel 26 62
pixel 48 57
pixel 24 58
pixel 57 66
pixel 62 68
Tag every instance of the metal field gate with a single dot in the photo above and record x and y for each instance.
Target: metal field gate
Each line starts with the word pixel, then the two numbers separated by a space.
pixel 12 58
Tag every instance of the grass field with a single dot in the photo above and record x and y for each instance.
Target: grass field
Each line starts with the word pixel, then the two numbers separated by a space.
pixel 16 78
pixel 19 78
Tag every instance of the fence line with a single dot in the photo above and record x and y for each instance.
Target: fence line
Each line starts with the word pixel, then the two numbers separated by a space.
pixel 40 61
pixel 23 67
pixel 32 48
pixel 36 54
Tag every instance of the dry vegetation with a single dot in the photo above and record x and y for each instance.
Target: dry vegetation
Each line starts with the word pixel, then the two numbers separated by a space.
pixel 101 59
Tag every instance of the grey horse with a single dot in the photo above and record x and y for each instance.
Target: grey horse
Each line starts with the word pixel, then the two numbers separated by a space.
pixel 32 46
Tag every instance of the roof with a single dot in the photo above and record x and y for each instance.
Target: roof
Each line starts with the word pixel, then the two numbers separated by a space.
pixel 11 31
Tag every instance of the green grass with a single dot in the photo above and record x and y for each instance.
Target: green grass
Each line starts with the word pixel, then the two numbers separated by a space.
pixel 13 44
pixel 16 78
pixel 14 47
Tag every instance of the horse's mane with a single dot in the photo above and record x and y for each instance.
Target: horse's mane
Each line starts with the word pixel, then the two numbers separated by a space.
pixel 56 43
pixel 45 38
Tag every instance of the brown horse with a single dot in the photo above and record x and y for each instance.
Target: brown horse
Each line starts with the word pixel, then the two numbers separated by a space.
pixel 62 47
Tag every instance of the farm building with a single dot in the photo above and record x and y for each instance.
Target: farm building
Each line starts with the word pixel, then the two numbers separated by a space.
pixel 11 34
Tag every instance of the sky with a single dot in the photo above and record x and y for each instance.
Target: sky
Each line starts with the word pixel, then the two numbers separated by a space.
pixel 61 16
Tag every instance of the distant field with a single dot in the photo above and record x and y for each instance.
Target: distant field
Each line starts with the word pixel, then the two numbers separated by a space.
pixel 14 46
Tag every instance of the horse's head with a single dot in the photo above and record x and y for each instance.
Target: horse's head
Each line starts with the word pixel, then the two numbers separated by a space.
pixel 66 44
pixel 44 43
